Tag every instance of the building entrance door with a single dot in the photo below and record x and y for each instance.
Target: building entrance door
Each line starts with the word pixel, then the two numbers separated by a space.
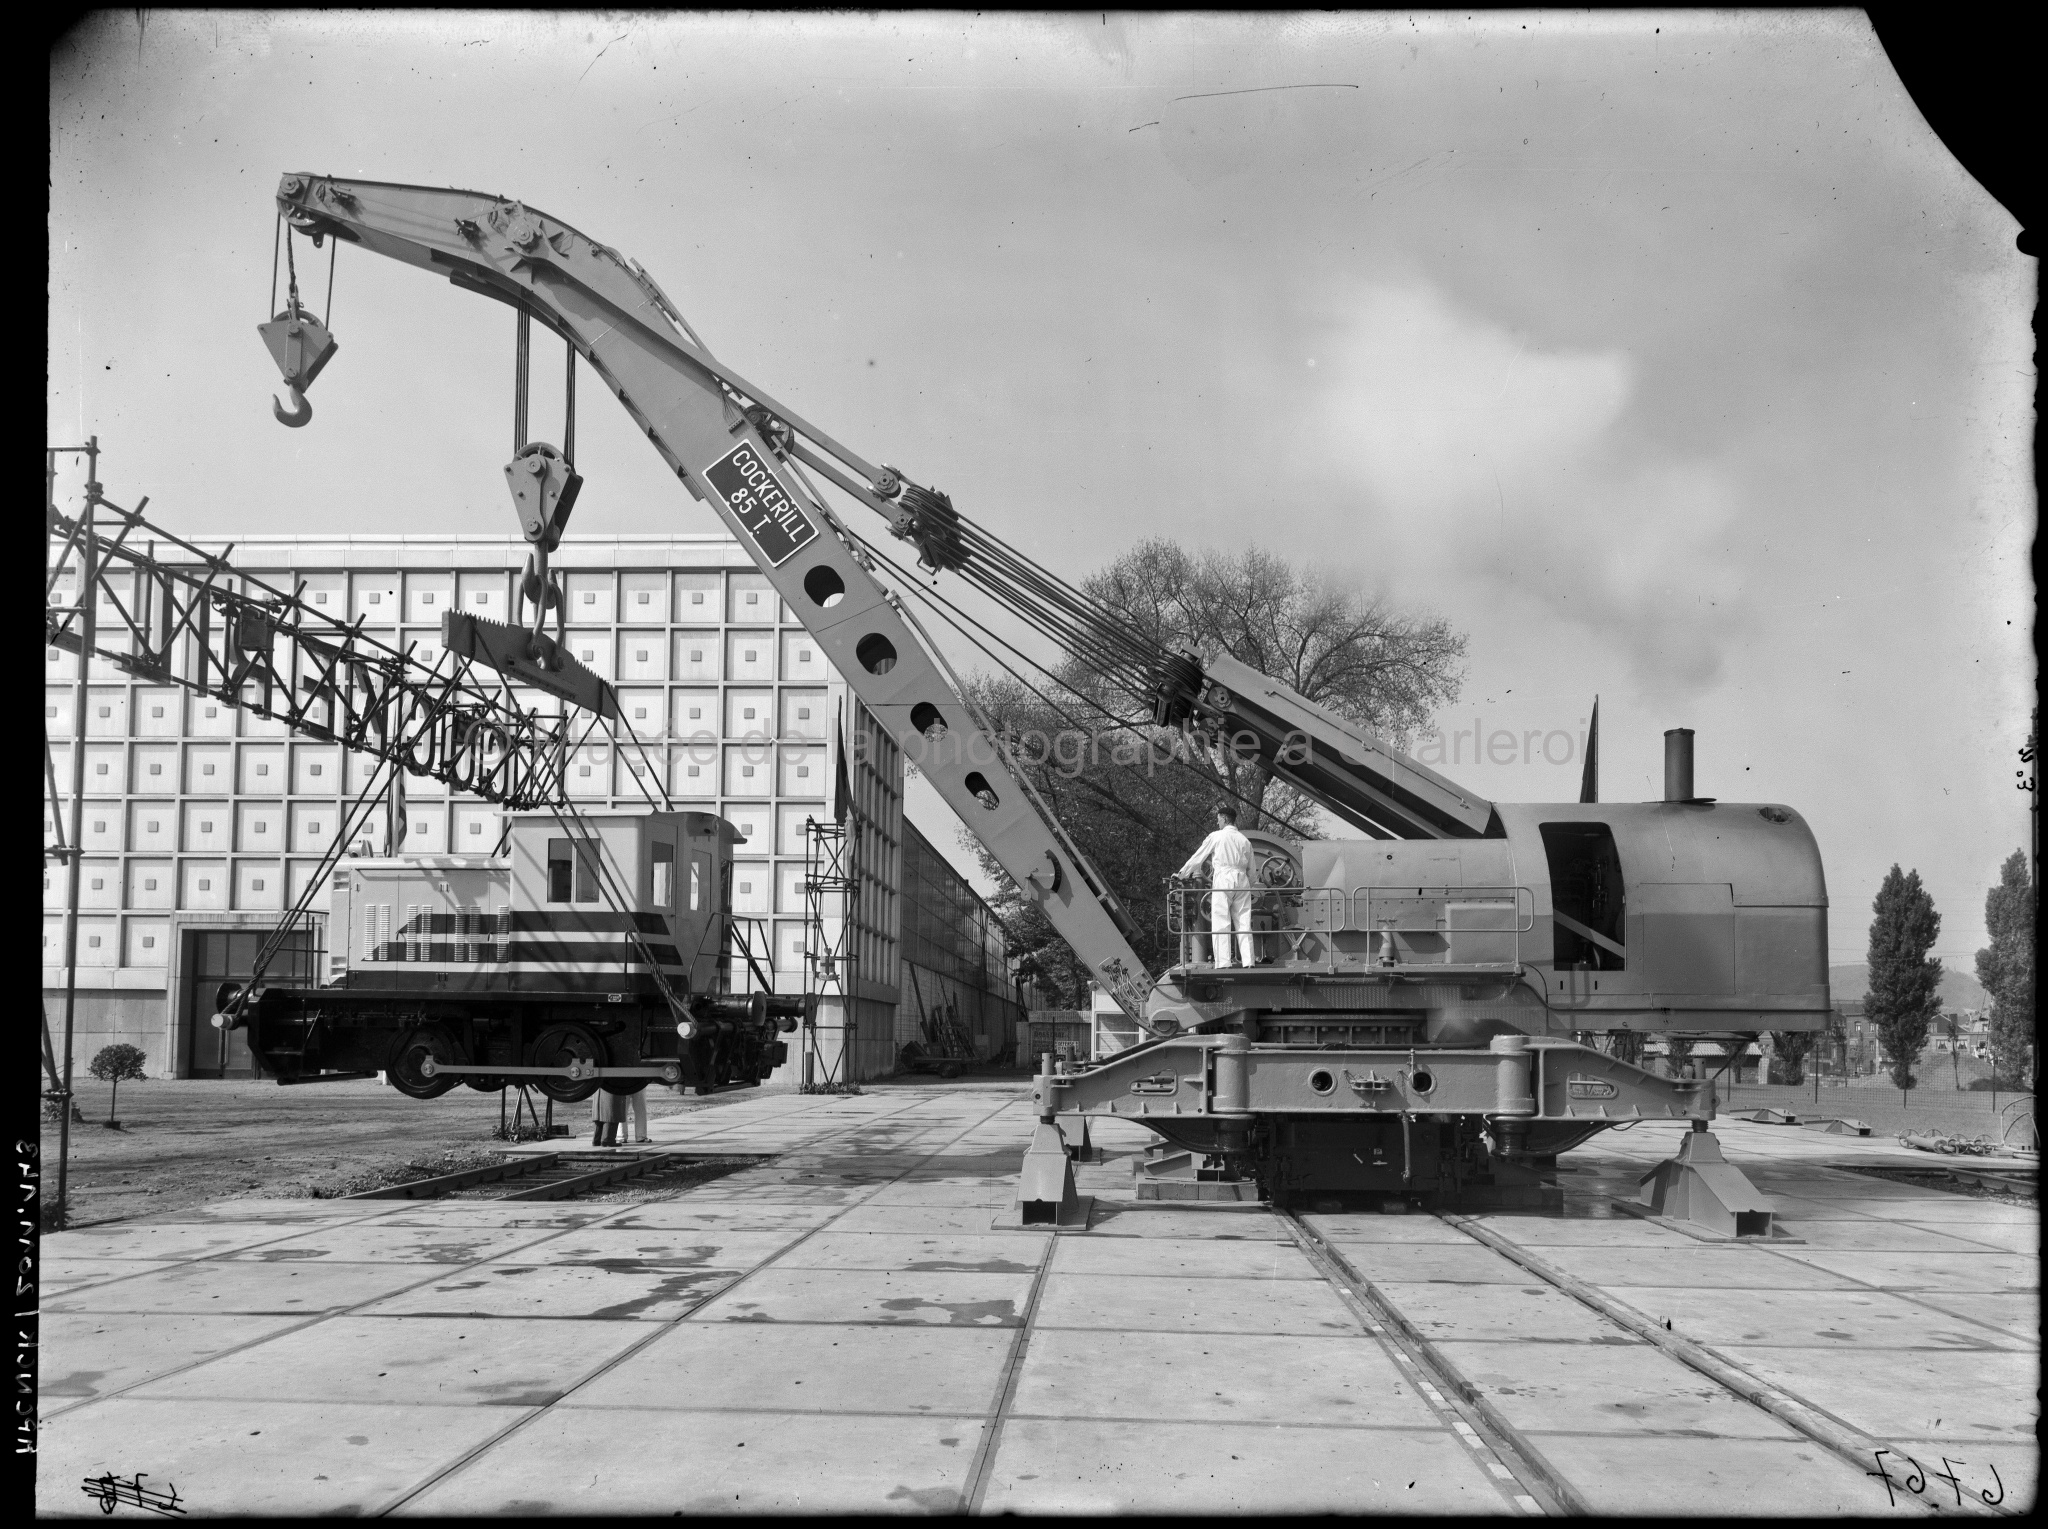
pixel 214 957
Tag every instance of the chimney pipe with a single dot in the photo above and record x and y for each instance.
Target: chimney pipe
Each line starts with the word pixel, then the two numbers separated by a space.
pixel 1678 765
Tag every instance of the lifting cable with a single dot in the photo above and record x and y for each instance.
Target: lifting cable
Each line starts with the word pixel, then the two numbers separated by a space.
pixel 954 617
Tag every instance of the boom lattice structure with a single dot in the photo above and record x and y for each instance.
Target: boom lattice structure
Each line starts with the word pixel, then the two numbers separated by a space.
pixel 156 606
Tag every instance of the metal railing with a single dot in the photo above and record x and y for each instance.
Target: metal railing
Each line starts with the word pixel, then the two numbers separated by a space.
pixel 1374 929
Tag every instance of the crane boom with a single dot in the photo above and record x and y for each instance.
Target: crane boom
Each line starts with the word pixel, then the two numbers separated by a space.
pixel 732 446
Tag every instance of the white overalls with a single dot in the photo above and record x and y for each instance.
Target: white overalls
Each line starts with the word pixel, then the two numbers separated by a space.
pixel 1230 902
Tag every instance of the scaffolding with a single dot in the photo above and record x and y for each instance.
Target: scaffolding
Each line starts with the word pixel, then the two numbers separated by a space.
pixel 829 1026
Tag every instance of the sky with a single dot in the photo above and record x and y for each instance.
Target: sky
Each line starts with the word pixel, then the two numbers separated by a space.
pixel 1668 355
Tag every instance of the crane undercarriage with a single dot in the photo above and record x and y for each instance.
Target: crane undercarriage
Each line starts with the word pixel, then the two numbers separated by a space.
pixel 1448 1127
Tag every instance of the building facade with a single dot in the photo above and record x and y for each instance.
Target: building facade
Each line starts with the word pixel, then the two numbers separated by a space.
pixel 202 822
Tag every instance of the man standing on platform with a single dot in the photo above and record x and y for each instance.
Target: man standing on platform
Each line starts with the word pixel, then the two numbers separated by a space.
pixel 1229 854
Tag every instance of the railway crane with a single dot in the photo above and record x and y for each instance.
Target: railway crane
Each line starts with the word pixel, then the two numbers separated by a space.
pixel 1413 1033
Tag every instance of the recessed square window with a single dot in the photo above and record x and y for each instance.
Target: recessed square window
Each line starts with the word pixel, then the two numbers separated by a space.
pixel 313 770
pixel 150 826
pixel 639 655
pixel 99 769
pixel 93 941
pixel 696 655
pixel 213 711
pixel 427 598
pixel 643 598
pixel 149 883
pixel 476 828
pixel 803 714
pixel 263 769
pixel 375 598
pixel 639 712
pixel 750 655
pixel 206 769
pixel 49 711
pixel 482 600
pixel 205 885
pixel 156 711
pixel 106 711
pixel 802 771
pixel 747 771
pixel 753 597
pixel 695 772
pixel 98 882
pixel 590 597
pixel 750 714
pixel 314 829
pixel 803 655
pixel 149 940
pixel 257 884
pixel 746 886
pixel 696 712
pixel 156 769
pixel 583 769
pixel 99 826
pixel 419 828
pixel 262 827
pixel 587 655
pixel 206 828
pixel 696 598
pixel 320 597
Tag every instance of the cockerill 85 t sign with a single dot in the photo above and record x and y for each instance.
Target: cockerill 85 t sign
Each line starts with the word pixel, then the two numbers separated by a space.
pixel 773 519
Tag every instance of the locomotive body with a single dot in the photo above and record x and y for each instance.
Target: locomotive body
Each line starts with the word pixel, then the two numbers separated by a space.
pixel 600 944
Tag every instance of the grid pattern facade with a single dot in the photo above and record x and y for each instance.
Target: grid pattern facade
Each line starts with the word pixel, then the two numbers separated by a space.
pixel 196 807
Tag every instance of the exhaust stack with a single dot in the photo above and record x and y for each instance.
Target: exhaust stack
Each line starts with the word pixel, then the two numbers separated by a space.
pixel 1678 765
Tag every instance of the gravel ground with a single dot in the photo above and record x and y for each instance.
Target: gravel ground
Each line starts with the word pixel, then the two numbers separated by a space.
pixel 1932 1112
pixel 184 1143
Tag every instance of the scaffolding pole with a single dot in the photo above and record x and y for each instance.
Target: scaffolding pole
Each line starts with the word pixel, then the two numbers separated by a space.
pixel 829 1027
pixel 87 609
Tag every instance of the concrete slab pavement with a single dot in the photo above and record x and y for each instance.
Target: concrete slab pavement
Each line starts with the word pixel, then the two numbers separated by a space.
pixel 841 1329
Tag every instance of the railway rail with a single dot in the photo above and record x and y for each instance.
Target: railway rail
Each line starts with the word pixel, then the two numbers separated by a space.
pixel 1502 1447
pixel 559 1175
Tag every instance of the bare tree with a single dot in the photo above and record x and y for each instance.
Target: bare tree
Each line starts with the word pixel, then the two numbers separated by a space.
pixel 1337 646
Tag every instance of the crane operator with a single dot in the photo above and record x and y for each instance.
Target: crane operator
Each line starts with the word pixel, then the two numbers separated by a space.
pixel 1229 854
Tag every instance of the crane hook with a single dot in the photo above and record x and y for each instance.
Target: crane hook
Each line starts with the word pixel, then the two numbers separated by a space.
pixel 297 414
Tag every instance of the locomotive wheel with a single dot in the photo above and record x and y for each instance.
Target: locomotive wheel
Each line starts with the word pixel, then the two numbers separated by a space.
pixel 558 1046
pixel 487 1085
pixel 404 1067
pixel 625 1086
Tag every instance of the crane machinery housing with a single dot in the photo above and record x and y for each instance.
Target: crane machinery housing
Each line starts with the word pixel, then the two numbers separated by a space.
pixel 1414 1030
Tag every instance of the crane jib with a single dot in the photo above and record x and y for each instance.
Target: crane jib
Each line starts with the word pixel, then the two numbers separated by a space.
pixel 748 484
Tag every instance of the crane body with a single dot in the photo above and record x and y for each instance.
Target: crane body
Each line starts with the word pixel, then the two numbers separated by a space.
pixel 1411 1026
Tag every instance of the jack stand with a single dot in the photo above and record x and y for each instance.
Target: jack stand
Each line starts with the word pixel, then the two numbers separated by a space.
pixel 1702 1186
pixel 1045 1189
pixel 1085 1150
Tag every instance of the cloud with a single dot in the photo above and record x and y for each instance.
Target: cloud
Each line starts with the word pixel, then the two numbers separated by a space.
pixel 1493 459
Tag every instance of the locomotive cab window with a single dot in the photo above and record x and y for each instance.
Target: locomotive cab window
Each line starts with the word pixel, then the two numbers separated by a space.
pixel 662 880
pixel 572 871
pixel 1586 897
pixel 700 870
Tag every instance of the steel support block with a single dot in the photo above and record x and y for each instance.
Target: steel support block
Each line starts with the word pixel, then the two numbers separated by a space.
pixel 1702 1186
pixel 1045 1188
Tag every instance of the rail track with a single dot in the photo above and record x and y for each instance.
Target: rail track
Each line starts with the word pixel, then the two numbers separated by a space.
pixel 562 1175
pixel 1502 1447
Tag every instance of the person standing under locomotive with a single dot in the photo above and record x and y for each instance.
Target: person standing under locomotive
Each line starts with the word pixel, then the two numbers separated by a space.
pixel 1229 854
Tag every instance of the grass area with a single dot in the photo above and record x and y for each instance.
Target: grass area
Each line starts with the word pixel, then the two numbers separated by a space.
pixel 184 1143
